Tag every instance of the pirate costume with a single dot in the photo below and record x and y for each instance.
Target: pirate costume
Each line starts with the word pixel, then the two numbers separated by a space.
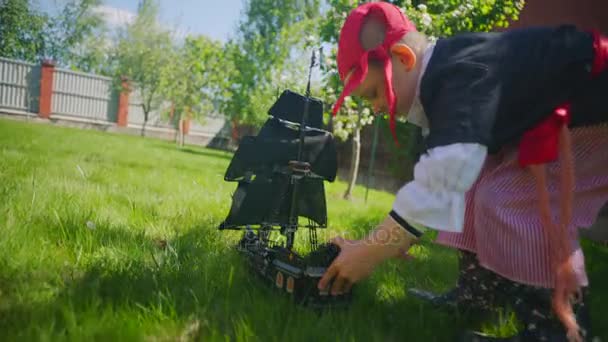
pixel 505 117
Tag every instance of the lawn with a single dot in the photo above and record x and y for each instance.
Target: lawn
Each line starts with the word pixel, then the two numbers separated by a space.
pixel 112 237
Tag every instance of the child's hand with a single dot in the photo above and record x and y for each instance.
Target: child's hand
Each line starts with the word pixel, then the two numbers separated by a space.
pixel 358 258
pixel 356 261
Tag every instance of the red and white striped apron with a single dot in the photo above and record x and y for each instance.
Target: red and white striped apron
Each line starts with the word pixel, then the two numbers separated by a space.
pixel 502 221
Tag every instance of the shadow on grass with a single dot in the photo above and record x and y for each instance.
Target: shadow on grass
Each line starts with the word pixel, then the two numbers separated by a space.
pixel 196 277
pixel 175 278
pixel 198 151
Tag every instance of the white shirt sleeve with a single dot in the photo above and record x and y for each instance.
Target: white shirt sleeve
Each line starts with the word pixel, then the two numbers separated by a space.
pixel 435 199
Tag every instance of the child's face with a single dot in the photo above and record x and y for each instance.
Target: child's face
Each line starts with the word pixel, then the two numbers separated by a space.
pixel 373 89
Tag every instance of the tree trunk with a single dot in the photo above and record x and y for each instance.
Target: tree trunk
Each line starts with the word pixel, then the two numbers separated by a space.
pixel 178 132
pixel 183 121
pixel 234 132
pixel 143 127
pixel 354 162
pixel 172 117
pixel 182 133
pixel 179 139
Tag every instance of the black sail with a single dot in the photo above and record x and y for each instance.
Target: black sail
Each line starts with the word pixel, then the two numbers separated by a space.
pixel 261 167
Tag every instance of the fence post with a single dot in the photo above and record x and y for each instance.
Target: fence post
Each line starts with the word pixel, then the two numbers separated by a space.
pixel 46 89
pixel 123 103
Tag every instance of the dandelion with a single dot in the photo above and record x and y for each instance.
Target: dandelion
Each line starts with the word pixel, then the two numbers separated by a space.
pixel 82 173
pixel 91 225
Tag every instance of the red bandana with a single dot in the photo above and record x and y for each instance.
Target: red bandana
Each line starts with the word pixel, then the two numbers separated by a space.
pixel 353 59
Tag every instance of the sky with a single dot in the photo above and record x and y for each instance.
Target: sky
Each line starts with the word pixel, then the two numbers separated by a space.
pixel 186 16
pixel 181 16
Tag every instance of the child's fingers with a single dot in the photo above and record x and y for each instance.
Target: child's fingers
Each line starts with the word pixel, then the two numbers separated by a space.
pixel 327 277
pixel 347 286
pixel 338 286
pixel 338 240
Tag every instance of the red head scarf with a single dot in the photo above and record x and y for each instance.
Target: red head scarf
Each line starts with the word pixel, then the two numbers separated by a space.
pixel 353 58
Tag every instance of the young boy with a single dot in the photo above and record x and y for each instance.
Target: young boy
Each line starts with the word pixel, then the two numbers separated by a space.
pixel 506 117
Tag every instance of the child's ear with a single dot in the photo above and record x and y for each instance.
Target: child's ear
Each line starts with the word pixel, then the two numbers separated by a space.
pixel 405 55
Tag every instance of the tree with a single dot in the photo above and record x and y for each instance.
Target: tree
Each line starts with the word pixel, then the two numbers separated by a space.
pixel 269 37
pixel 76 37
pixel 21 30
pixel 144 56
pixel 73 38
pixel 436 18
pixel 196 80
pixel 358 117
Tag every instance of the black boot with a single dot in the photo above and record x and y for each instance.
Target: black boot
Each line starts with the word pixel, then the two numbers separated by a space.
pixel 532 306
pixel 552 332
pixel 540 322
pixel 475 336
pixel 472 291
pixel 450 299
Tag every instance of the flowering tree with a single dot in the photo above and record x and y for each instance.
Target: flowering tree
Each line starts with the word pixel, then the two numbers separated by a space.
pixel 143 54
pixel 435 18
pixel 262 53
pixel 358 116
pixel 196 80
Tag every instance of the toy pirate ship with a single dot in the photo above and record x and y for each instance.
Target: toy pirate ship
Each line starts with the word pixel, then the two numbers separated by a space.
pixel 281 174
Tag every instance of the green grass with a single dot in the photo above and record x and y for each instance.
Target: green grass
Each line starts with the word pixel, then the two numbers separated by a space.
pixel 111 237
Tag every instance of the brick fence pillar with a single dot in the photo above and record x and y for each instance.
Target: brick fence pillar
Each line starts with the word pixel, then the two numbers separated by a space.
pixel 186 126
pixel 46 89
pixel 123 103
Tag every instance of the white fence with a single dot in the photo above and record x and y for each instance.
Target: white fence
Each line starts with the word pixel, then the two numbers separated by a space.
pixel 84 96
pixel 156 118
pixel 19 85
pixel 78 96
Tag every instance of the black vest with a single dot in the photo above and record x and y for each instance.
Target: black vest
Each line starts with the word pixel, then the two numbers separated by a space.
pixel 490 88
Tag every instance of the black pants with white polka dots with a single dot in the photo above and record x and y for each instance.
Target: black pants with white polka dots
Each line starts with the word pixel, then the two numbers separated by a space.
pixel 480 288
